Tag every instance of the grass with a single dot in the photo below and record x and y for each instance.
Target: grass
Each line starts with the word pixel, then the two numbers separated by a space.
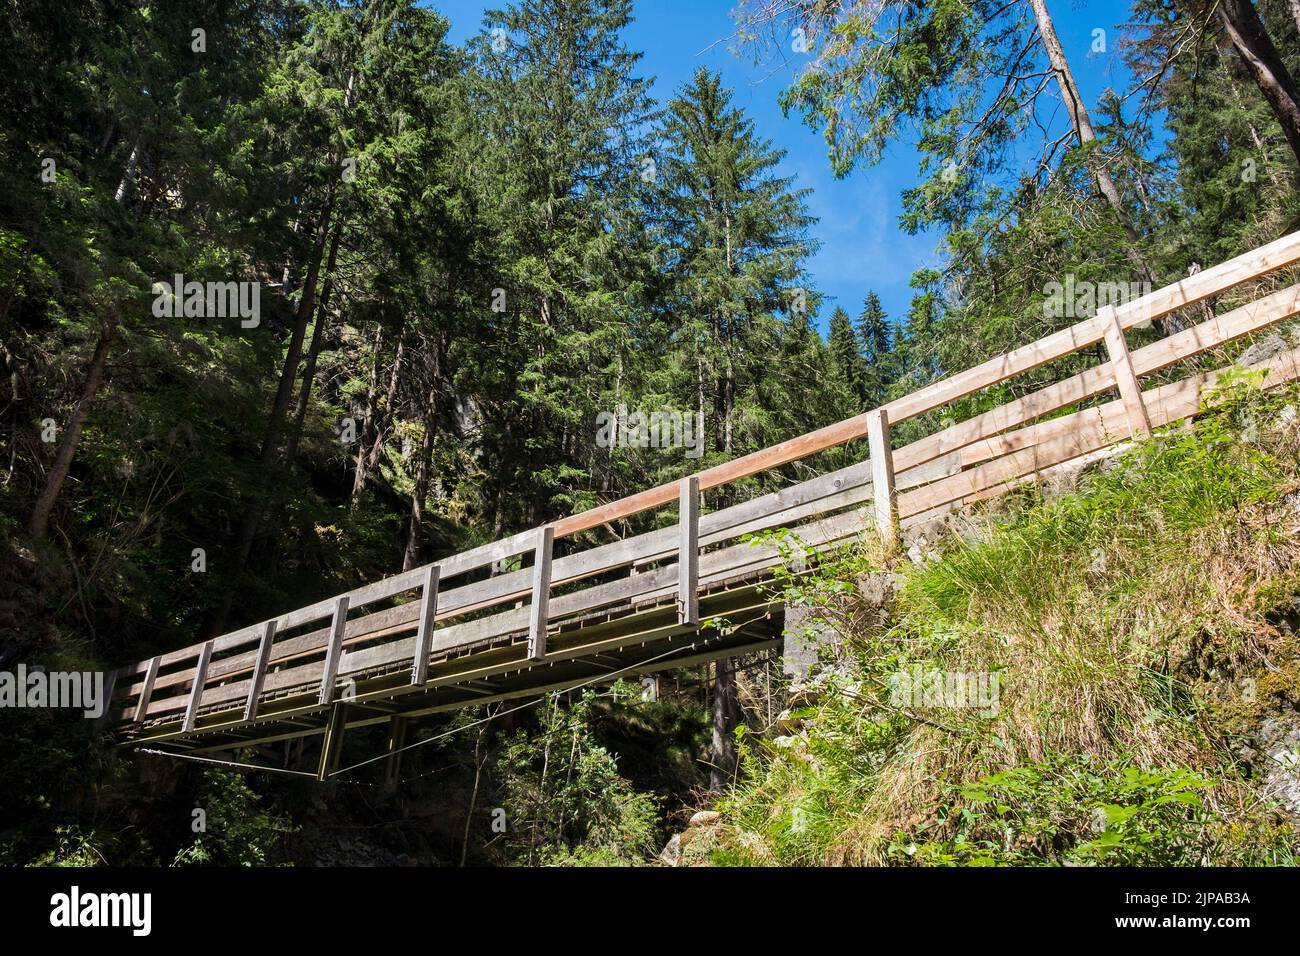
pixel 1134 629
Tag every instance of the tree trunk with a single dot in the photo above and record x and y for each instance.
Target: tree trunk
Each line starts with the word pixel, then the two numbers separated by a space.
pixel 317 343
pixel 1249 36
pixel 432 416
pixel 39 523
pixel 723 757
pixel 128 177
pixel 368 430
pixel 1082 124
pixel 371 448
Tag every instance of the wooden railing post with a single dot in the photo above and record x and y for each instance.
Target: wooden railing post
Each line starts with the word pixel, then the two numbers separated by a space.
pixel 110 686
pixel 393 756
pixel 884 495
pixel 424 637
pixel 688 552
pixel 258 676
pixel 196 692
pixel 332 745
pixel 1121 363
pixel 335 651
pixel 539 618
pixel 146 690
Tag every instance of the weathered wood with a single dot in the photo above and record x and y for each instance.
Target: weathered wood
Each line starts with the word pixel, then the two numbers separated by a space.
pixel 196 692
pixel 146 690
pixel 259 669
pixel 396 741
pixel 659 584
pixel 538 618
pixel 335 651
pixel 110 685
pixel 884 492
pixel 688 552
pixel 424 636
pixel 1130 389
pixel 843 488
pixel 332 745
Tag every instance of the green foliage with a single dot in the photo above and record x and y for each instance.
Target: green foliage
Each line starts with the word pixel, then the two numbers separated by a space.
pixel 469 252
pixel 237 828
pixel 565 802
pixel 72 849
pixel 1070 812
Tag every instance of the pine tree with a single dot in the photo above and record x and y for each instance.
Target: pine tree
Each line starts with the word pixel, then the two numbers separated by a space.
pixel 920 351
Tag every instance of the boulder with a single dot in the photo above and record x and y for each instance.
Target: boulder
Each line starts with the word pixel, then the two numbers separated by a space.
pixel 1271 346
pixel 671 854
pixel 705 818
pixel 1279 741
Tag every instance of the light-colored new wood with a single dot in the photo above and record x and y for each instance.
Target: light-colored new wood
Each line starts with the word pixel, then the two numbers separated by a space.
pixel 1121 365
pixel 882 476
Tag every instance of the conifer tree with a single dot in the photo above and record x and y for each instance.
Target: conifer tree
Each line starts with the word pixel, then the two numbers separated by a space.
pixel 877 350
pixel 737 239
pixel 849 360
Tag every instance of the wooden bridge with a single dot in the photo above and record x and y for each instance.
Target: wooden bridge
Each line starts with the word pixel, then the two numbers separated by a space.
pixel 454 633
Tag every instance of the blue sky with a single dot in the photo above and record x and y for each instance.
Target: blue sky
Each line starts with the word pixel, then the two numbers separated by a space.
pixel 862 246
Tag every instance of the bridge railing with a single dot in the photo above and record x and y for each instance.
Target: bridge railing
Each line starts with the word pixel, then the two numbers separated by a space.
pixel 453 605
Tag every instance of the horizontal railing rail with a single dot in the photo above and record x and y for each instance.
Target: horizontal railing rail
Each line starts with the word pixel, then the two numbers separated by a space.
pixel 343 636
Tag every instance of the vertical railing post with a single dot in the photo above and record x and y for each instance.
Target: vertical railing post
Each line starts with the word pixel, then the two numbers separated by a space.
pixel 146 690
pixel 393 755
pixel 424 636
pixel 332 745
pixel 1121 363
pixel 541 593
pixel 110 686
pixel 196 691
pixel 883 493
pixel 688 552
pixel 259 670
pixel 335 651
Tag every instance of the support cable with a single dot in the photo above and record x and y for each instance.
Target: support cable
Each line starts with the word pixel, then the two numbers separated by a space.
pixel 532 703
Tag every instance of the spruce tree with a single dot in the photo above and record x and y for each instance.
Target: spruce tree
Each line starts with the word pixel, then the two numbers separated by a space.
pixel 736 242
pixel 849 361
pixel 561 115
pixel 877 350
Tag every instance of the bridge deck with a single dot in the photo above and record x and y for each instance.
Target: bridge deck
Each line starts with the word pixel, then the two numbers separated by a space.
pixel 545 610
